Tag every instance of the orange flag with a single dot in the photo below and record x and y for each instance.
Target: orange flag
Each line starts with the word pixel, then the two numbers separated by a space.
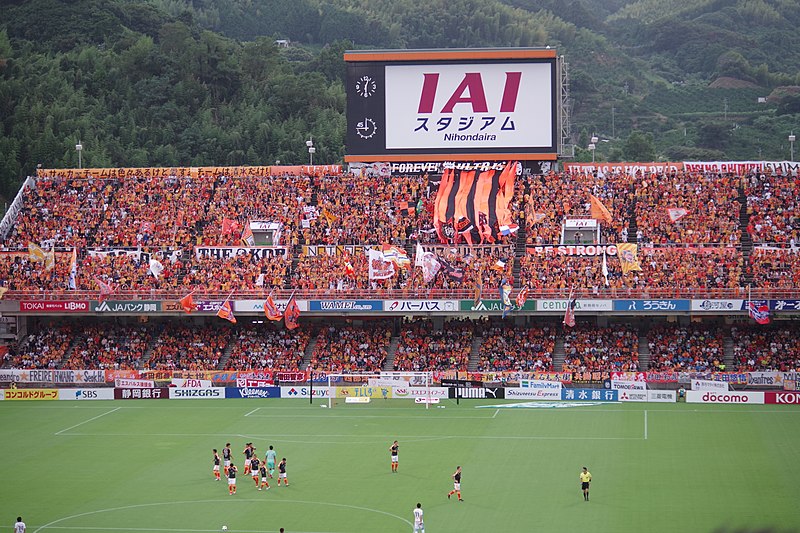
pixel 599 211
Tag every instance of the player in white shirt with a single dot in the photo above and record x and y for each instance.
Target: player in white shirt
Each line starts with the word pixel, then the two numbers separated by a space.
pixel 419 524
pixel 19 527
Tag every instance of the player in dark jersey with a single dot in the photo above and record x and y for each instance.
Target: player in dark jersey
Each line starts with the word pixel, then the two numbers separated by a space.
pixel 264 473
pixel 216 465
pixel 456 484
pixel 393 449
pixel 232 479
pixel 249 449
pixel 282 473
pixel 254 463
pixel 226 456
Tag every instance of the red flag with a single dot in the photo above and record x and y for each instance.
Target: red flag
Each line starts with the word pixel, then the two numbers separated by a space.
pixel 271 310
pixel 569 314
pixel 229 226
pixel 349 270
pixel 758 312
pixel 226 312
pixel 187 303
pixel 106 289
pixel 292 314
pixel 247 236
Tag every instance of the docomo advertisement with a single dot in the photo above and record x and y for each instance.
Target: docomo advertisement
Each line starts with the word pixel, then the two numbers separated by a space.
pixel 703 385
pixel 698 396
pixel 469 106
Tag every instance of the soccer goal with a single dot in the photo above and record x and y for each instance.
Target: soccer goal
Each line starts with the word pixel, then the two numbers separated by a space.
pixel 366 388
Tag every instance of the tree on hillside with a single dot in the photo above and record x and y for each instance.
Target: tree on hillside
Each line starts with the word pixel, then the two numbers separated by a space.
pixel 639 146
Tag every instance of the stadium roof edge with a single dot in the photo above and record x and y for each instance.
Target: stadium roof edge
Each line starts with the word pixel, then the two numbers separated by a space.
pixel 449 53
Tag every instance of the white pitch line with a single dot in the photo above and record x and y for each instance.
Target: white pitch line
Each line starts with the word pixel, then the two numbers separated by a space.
pixel 357 437
pixel 495 413
pixel 645 424
pixel 87 421
pixel 216 530
pixel 253 411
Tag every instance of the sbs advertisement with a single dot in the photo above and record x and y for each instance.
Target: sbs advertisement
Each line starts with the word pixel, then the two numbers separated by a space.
pixel 520 393
pixel 86 394
pixel 743 398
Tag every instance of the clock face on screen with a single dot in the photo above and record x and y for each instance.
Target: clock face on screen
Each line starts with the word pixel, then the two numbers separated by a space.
pixel 365 86
pixel 366 128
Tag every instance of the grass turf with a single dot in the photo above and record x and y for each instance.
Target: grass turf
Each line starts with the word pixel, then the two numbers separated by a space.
pixel 146 466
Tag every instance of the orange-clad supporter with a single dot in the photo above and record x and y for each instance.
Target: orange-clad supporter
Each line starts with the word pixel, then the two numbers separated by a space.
pixel 64 212
pixel 110 348
pixel 423 348
pixel 770 268
pixel 553 196
pixel 348 348
pixel 507 347
pixel 19 273
pixel 44 349
pixel 664 267
pixel 488 270
pixel 773 203
pixel 686 348
pixel 183 347
pixel 268 347
pixel 590 348
pixel 760 349
pixel 712 209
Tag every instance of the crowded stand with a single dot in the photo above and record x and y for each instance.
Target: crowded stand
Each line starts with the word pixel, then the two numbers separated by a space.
pixel 423 348
pixel 507 347
pixel 44 349
pixel 712 209
pixel 100 347
pixel 351 349
pixel 183 346
pixel 773 203
pixel 268 348
pixel 756 349
pixel 775 268
pixel 590 348
pixel 686 348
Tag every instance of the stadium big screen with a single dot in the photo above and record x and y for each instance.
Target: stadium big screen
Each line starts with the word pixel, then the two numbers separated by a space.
pixel 452 105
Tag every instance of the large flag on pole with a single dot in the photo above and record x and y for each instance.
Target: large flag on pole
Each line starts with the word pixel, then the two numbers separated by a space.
pixel 248 239
pixel 599 211
pixel 522 297
pixel 35 253
pixel 226 311
pixel 106 289
pixel 676 213
pixel 569 313
pixel 271 310
pixel 628 257
pixel 187 303
pixel 505 296
pixel 156 268
pixel 758 311
pixel 291 317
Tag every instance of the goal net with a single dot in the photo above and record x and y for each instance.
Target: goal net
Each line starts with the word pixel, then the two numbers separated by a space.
pixel 366 388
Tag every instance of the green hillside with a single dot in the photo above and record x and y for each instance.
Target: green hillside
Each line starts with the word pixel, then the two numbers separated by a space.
pixel 179 82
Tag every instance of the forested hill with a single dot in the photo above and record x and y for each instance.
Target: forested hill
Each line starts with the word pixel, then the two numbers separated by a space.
pixel 184 82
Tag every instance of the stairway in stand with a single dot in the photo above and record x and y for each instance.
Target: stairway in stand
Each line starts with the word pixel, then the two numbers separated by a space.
pixel 644 352
pixel 309 352
pixel 558 354
pixel 519 253
pixel 747 242
pixel 475 354
pixel 388 365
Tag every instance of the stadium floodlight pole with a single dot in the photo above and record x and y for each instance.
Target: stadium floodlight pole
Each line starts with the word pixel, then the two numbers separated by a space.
pixel 792 138
pixel 79 149
pixel 311 150
pixel 593 146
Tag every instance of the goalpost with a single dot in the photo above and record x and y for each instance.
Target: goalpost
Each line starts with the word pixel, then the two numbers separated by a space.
pixel 362 388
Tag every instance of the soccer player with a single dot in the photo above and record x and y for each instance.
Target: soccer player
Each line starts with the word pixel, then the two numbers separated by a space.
pixel 216 465
pixel 19 527
pixel 394 449
pixel 586 478
pixel 254 463
pixel 456 484
pixel 264 482
pixel 282 473
pixel 419 525
pixel 248 454
pixel 226 456
pixel 271 458
pixel 232 479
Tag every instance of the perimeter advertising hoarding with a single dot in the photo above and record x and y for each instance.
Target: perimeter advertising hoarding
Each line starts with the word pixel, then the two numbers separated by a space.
pixel 732 397
pixel 451 105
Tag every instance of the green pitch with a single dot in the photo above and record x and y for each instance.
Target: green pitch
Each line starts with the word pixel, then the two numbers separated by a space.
pixel 146 467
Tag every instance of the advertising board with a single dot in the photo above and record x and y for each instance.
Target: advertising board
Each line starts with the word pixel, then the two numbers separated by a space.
pixel 189 383
pixel 31 394
pixel 127 306
pixel 419 392
pixel 580 305
pixel 617 384
pixel 540 384
pixel 520 393
pixel 176 393
pixel 140 393
pixel 424 306
pixel 662 396
pixel 304 392
pixel 346 306
pixel 257 306
pixel 60 306
pixel 782 398
pixel 86 394
pixel 590 395
pixel 652 306
pixel 124 383
pixel 742 398
pixel 54 376
pixel 718 305
pixel 252 392
pixel 364 392
pixel 453 105
pixel 717 386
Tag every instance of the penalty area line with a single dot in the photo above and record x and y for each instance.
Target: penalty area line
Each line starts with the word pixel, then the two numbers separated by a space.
pixel 87 421
pixel 253 411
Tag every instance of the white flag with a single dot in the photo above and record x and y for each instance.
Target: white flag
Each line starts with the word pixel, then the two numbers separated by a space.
pixel 156 268
pixel 418 256
pixel 378 268
pixel 676 213
pixel 605 269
